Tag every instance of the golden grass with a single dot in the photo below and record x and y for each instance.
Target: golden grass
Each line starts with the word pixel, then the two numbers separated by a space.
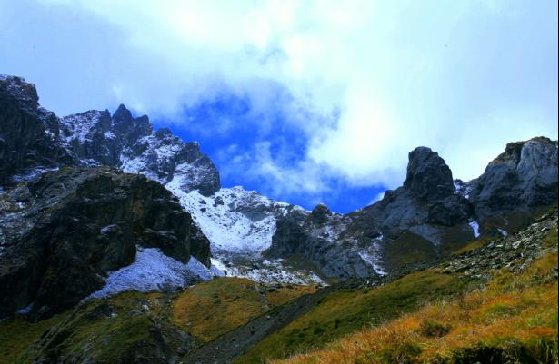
pixel 342 312
pixel 283 295
pixel 210 309
pixel 514 309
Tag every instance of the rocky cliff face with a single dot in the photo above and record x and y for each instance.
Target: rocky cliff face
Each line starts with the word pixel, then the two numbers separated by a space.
pixel 61 234
pixel 521 180
pixel 28 133
pixel 120 140
pixel 318 238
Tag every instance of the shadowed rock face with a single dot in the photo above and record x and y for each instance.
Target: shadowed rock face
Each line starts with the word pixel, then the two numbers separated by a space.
pixel 62 233
pixel 27 132
pixel 427 175
pixel 308 236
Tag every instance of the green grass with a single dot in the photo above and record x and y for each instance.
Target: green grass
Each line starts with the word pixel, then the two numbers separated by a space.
pixel 344 312
pixel 512 318
pixel 16 334
pixel 408 249
pixel 107 331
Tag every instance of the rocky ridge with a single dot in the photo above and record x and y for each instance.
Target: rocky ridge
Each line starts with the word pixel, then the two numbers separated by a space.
pixel 63 233
pixel 520 180
pixel 129 143
pixel 428 217
pixel 513 252
pixel 253 236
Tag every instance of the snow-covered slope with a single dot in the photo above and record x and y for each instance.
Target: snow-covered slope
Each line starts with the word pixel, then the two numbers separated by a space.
pixel 240 225
pixel 234 220
pixel 153 270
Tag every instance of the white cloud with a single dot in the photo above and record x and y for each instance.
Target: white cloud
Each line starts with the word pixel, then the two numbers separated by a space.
pixel 282 177
pixel 436 73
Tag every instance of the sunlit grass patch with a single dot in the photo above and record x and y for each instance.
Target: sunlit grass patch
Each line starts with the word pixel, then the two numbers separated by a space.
pixel 343 312
pixel 502 321
pixel 210 309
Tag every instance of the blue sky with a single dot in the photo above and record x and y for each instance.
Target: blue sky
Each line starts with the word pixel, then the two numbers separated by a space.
pixel 304 101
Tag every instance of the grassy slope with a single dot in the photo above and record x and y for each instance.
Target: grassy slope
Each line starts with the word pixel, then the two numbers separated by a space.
pixel 212 308
pixel 515 316
pixel 520 301
pixel 347 312
pixel 116 328
pixel 343 312
pixel 106 330
pixel 16 334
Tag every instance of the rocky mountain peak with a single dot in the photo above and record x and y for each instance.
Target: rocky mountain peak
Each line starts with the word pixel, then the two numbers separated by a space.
pixel 122 114
pixel 427 175
pixel 320 214
pixel 129 127
pixel 129 143
pixel 16 88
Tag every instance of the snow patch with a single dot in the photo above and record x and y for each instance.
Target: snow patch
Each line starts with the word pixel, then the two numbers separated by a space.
pixel 462 188
pixel 233 220
pixel 26 309
pixel 503 232
pixel 475 228
pixel 32 174
pixel 270 272
pixel 107 229
pixel 153 270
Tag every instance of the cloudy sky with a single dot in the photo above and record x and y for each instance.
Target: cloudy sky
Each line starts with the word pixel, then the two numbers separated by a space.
pixel 305 101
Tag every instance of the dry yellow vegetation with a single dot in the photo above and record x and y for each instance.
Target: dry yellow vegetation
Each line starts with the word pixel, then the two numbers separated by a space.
pixel 515 314
pixel 212 308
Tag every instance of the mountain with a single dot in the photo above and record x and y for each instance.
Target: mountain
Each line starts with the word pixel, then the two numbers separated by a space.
pixel 106 224
pixel 128 143
pixel 253 236
pixel 428 217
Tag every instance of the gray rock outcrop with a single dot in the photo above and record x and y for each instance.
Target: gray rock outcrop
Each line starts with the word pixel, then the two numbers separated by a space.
pixel 521 179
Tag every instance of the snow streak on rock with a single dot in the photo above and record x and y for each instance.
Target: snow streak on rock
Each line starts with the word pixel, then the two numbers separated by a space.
pixel 269 272
pixel 373 255
pixel 32 174
pixel 474 226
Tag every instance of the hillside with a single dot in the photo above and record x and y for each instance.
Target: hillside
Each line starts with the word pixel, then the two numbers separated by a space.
pixel 513 318
pixel 490 302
